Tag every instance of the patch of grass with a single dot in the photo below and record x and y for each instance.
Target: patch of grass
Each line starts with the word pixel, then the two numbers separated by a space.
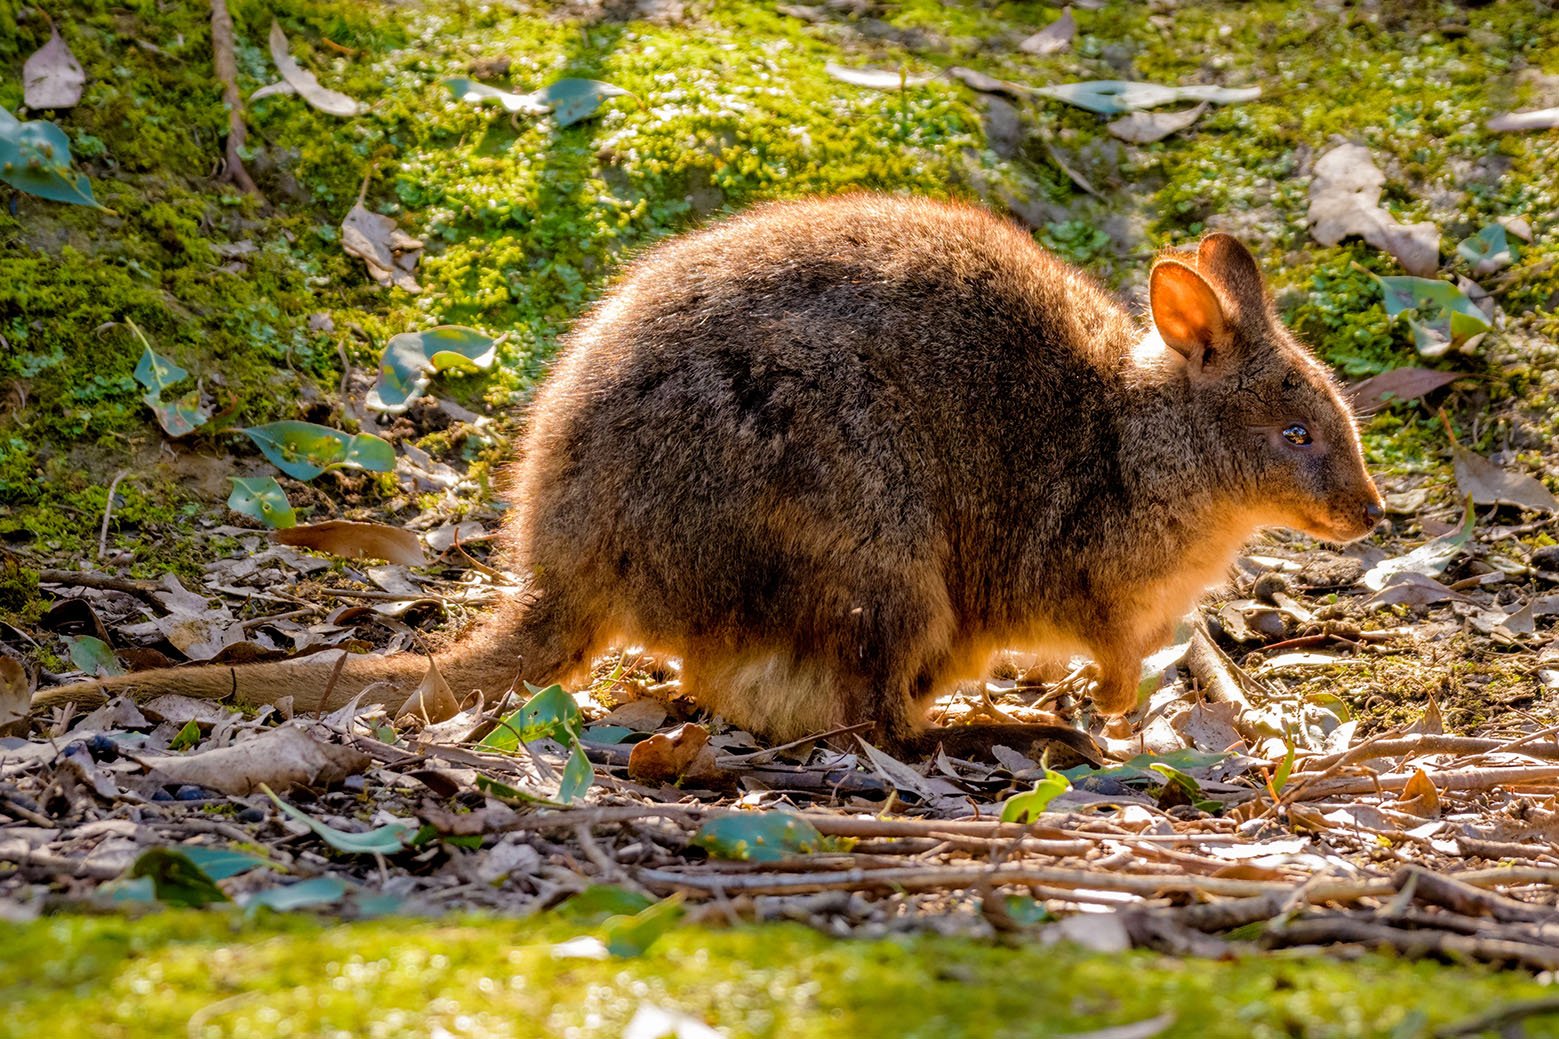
pixel 125 978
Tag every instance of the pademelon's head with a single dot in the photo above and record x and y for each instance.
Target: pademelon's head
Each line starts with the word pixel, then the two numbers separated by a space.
pixel 1276 415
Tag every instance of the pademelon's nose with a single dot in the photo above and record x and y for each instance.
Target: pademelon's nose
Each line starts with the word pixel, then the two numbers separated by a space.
pixel 1373 512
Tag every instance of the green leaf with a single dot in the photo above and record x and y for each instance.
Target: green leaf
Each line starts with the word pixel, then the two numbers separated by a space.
pixel 569 100
pixel 1140 767
pixel 574 100
pixel 577 776
pixel 1284 770
pixel 305 894
pixel 758 837
pixel 1188 786
pixel 385 840
pixel 551 712
pixel 1114 96
pixel 35 158
pixel 1026 807
pixel 472 91
pixel 221 863
pixel 600 901
pixel 1440 315
pixel 303 450
pixel 1488 250
pixel 176 879
pixel 608 735
pixel 262 498
pixel 92 655
pixel 187 737
pixel 504 792
pixel 628 936
pixel 181 416
pixel 1024 909
pixel 411 359
pixel 156 373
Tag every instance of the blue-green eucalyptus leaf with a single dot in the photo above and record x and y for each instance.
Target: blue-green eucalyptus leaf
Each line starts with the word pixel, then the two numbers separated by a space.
pixel 303 450
pixel 262 498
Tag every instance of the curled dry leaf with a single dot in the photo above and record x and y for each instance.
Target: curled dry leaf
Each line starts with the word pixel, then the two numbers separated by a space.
pixel 281 758
pixel 433 701
pixel 1419 797
pixel 1146 127
pixel 1398 384
pixel 666 757
pixel 1537 119
pixel 390 253
pixel 330 102
pixel 1488 484
pixel 1345 200
pixel 876 79
pixel 1057 36
pixel 15 696
pixel 351 540
pixel 52 77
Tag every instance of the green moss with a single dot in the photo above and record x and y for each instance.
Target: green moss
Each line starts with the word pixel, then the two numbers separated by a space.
pixel 161 974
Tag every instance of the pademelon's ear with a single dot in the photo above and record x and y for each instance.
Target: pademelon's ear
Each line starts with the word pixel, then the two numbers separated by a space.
pixel 1225 261
pixel 1187 313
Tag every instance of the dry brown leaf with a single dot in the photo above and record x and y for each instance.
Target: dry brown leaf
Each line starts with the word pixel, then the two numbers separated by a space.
pixel 1414 589
pixel 15 697
pixel 390 253
pixel 1345 200
pixel 433 701
pixel 52 77
pixel 666 757
pixel 1420 797
pixel 1398 384
pixel 1053 38
pixel 300 79
pixel 1488 484
pixel 987 84
pixel 1146 127
pixel 351 540
pixel 281 758
pixel 639 715
pixel 1537 119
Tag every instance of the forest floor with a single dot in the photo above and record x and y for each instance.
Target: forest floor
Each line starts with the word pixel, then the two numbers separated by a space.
pixel 1347 750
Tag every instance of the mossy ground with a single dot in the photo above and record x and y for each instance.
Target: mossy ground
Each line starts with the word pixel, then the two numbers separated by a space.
pixel 209 976
pixel 525 223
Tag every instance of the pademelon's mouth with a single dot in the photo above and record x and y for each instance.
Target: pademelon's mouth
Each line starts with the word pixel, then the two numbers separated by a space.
pixel 1329 528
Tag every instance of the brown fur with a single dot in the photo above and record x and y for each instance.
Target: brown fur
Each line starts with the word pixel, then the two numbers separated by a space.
pixel 835 453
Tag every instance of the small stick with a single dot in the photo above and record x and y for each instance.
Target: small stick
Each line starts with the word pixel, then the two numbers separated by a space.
pixel 226 66
pixel 1326 930
pixel 1467 780
pixel 1441 890
pixel 934 878
pixel 108 511
pixel 82 579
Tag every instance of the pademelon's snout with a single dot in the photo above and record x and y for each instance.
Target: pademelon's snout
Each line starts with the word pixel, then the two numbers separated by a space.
pixel 1353 513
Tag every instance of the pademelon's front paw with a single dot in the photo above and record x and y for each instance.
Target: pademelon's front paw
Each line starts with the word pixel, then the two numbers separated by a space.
pixel 1115 694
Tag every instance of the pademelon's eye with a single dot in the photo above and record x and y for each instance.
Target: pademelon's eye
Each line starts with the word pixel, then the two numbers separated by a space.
pixel 1297 435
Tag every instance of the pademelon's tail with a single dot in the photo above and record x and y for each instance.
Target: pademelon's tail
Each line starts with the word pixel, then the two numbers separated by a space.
pixel 523 639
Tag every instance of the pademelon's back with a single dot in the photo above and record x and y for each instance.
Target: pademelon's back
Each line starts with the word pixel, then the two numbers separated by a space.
pixel 812 385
